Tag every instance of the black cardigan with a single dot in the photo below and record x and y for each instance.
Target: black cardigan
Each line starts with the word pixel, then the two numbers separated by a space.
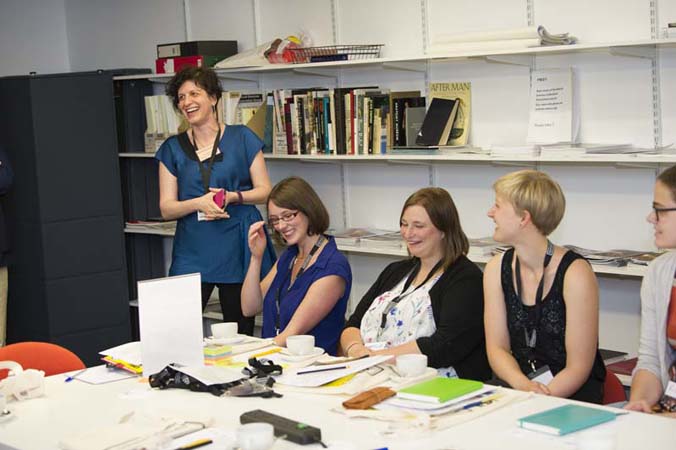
pixel 458 309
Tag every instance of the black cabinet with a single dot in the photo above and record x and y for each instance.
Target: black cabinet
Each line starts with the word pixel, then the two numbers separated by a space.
pixel 68 276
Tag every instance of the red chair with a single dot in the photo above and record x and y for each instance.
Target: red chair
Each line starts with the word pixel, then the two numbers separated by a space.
pixel 613 391
pixel 51 358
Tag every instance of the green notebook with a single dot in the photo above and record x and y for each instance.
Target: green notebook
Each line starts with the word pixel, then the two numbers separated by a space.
pixel 566 419
pixel 440 389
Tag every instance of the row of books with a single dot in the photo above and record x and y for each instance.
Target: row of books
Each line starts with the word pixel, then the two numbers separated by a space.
pixel 163 120
pixel 368 120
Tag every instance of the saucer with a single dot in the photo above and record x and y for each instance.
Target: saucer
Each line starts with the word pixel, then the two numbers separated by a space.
pixel 285 355
pixel 225 341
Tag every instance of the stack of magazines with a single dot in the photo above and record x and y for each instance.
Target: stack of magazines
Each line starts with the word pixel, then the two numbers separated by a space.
pixel 616 257
pixel 391 241
pixel 151 226
pixel 353 236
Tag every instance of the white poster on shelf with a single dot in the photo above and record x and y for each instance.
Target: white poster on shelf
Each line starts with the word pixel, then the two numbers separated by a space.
pixel 551 116
pixel 170 322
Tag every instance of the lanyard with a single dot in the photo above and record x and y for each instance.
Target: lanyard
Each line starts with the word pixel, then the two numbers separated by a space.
pixel 206 173
pixel 532 339
pixel 307 260
pixel 407 284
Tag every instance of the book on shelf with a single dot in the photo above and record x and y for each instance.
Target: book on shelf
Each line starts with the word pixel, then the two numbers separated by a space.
pixel 612 356
pixel 462 92
pixel 439 389
pixel 624 367
pixel 413 120
pixel 398 102
pixel 189 48
pixel 566 419
pixel 438 122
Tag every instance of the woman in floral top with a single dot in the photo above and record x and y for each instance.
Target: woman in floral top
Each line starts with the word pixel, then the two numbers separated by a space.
pixel 431 303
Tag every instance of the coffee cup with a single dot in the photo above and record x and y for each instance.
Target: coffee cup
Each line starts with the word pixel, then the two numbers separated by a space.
pixel 224 330
pixel 301 344
pixel 411 365
pixel 255 436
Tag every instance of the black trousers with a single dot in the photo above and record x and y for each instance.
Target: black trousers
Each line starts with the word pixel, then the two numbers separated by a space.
pixel 229 296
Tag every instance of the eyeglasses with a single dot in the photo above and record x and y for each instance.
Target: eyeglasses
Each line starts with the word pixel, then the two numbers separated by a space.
pixel 286 218
pixel 661 210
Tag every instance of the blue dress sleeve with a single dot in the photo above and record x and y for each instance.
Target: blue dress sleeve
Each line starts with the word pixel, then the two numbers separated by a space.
pixel 339 266
pixel 167 157
pixel 252 144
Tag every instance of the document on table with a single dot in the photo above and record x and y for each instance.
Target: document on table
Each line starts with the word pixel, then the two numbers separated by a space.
pixel 102 375
pixel 129 352
pixel 314 376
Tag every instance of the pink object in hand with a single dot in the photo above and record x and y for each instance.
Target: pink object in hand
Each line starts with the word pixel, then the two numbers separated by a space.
pixel 219 198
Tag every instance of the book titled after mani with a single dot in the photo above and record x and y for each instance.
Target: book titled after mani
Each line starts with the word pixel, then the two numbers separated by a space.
pixel 566 419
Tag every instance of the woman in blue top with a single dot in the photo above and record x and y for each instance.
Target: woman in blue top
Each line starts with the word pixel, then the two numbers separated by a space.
pixel 306 291
pixel 197 167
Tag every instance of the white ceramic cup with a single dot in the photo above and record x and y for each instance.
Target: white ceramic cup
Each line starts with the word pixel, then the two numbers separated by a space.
pixel 301 344
pixel 255 436
pixel 224 330
pixel 411 365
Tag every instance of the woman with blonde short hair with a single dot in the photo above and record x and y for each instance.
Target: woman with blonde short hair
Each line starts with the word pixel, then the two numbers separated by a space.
pixel 541 314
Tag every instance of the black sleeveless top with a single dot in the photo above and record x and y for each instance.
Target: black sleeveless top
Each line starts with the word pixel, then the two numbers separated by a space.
pixel 550 347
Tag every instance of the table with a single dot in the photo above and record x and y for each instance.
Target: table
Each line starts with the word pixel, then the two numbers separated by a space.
pixel 71 407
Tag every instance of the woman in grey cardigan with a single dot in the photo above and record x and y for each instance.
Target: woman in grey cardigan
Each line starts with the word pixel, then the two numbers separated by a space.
pixel 654 382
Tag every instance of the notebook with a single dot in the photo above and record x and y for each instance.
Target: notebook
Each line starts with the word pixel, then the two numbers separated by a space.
pixel 566 419
pixel 440 389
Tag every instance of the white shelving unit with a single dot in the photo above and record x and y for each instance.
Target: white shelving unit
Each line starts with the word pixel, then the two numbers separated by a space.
pixel 632 271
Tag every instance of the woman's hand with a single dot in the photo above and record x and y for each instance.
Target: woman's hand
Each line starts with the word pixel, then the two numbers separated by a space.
pixel 639 405
pixel 358 350
pixel 257 239
pixel 533 386
pixel 210 209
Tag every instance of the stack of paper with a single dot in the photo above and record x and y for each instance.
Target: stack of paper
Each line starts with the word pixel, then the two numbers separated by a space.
pixel 217 354
pixel 353 236
pixel 505 38
pixel 391 240
pixel 510 151
pixel 126 357
pixel 617 257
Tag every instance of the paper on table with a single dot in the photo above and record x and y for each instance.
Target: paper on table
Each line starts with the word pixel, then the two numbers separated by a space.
pixel 210 374
pixel 129 352
pixel 170 322
pixel 102 375
pixel 329 372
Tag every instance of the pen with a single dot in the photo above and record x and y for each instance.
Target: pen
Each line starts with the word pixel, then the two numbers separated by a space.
pixel 195 444
pixel 70 378
pixel 326 369
pixel 268 352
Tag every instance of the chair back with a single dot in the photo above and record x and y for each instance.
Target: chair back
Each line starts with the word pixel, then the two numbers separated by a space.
pixel 613 391
pixel 51 358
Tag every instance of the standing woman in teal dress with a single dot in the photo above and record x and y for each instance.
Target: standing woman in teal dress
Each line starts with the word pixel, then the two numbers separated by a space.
pixel 196 168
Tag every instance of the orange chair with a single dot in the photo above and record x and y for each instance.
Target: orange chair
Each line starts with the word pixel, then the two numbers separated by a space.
pixel 613 391
pixel 51 358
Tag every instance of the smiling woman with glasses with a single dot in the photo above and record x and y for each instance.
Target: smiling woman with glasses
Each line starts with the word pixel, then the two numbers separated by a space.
pixel 654 381
pixel 307 289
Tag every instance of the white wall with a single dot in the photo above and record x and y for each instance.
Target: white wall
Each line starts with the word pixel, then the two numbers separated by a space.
pixel 606 204
pixel 33 37
pixel 104 34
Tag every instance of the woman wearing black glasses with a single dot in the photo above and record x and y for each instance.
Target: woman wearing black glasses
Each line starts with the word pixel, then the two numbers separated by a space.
pixel 653 387
pixel 306 291
pixel 431 303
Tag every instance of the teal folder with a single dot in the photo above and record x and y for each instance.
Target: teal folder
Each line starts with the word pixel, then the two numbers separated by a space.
pixel 566 419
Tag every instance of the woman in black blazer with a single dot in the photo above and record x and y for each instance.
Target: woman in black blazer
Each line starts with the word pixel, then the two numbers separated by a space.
pixel 431 303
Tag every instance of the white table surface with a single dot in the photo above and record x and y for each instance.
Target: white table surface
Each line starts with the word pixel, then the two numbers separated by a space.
pixel 69 408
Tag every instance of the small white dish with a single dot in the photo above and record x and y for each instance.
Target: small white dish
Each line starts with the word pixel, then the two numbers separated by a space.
pixel 287 356
pixel 225 341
